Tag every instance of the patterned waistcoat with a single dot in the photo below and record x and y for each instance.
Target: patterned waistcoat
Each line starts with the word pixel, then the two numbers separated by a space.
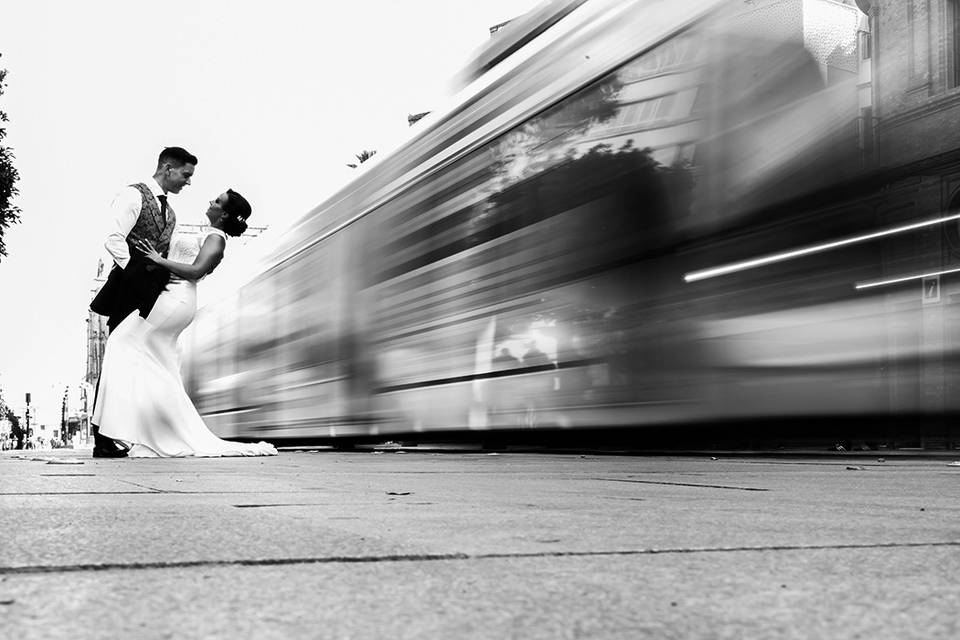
pixel 150 226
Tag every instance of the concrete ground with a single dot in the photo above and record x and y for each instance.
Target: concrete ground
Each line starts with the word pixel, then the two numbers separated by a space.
pixel 458 545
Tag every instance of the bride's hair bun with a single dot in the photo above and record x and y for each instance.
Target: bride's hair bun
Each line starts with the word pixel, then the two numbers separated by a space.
pixel 238 210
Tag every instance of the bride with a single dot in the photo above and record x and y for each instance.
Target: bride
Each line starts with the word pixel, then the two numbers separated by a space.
pixel 142 401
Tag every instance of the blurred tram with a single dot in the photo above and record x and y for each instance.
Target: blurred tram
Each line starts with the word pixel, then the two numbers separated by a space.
pixel 635 214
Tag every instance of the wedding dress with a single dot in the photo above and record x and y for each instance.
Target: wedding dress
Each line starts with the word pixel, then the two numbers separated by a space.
pixel 142 401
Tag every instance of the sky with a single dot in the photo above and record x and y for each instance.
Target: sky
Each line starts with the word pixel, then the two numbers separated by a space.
pixel 274 98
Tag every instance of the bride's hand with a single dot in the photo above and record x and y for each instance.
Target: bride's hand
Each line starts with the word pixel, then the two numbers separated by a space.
pixel 147 249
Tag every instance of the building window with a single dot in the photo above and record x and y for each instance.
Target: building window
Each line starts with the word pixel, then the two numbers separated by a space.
pixel 865 45
pixel 866 136
pixel 918 39
pixel 953 42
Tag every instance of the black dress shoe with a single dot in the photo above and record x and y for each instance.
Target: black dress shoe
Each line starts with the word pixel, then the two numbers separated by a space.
pixel 105 452
pixel 105 447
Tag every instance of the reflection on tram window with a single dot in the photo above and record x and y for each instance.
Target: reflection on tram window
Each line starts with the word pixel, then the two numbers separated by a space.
pixel 549 238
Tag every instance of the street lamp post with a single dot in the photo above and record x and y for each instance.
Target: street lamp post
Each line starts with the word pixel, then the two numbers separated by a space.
pixel 86 395
pixel 63 416
pixel 27 420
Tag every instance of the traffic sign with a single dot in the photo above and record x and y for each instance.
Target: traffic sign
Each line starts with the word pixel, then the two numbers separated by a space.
pixel 931 290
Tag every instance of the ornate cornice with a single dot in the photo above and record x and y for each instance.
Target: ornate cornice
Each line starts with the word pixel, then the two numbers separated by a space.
pixel 935 165
pixel 930 107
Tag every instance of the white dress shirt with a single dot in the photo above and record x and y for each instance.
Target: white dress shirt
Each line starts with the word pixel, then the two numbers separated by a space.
pixel 126 209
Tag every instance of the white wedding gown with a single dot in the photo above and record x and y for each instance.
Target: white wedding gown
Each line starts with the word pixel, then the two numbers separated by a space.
pixel 141 400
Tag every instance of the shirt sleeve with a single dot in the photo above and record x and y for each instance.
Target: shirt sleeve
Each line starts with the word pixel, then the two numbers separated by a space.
pixel 125 209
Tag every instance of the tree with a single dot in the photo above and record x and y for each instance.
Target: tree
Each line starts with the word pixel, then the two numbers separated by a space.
pixel 362 157
pixel 9 213
pixel 16 432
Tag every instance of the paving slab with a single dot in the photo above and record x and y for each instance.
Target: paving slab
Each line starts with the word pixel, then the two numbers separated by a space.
pixel 451 545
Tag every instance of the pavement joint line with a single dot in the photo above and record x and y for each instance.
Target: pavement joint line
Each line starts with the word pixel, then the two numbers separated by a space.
pixel 682 484
pixel 285 504
pixel 77 493
pixel 445 557
pixel 143 486
pixel 152 492
pixel 67 475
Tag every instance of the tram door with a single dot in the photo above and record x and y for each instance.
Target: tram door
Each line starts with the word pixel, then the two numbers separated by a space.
pixel 309 384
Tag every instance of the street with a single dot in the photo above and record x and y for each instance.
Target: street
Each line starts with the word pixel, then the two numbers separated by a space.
pixel 410 544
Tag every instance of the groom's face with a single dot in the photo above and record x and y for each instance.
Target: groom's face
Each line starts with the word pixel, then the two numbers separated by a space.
pixel 178 177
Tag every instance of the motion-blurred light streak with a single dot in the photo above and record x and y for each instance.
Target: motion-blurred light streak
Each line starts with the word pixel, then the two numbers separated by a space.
pixel 916 276
pixel 735 267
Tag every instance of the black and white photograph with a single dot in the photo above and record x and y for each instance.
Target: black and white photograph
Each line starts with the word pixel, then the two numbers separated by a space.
pixel 432 319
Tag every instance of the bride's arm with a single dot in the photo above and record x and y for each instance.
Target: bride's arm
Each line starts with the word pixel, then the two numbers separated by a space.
pixel 211 253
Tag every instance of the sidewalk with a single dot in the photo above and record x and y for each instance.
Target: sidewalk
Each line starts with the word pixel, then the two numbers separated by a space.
pixel 395 544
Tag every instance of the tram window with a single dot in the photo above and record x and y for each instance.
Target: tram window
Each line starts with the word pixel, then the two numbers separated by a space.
pixel 256 344
pixel 565 218
pixel 307 311
pixel 624 148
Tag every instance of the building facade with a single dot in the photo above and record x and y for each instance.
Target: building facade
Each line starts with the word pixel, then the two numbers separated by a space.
pixel 916 79
pixel 828 29
pixel 96 331
pixel 914 59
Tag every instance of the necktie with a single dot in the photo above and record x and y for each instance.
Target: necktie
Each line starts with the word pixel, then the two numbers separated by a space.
pixel 163 206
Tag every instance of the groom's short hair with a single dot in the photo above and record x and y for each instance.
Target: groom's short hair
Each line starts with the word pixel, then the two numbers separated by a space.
pixel 177 156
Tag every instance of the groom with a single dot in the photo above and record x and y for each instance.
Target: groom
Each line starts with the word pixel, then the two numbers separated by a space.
pixel 140 211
